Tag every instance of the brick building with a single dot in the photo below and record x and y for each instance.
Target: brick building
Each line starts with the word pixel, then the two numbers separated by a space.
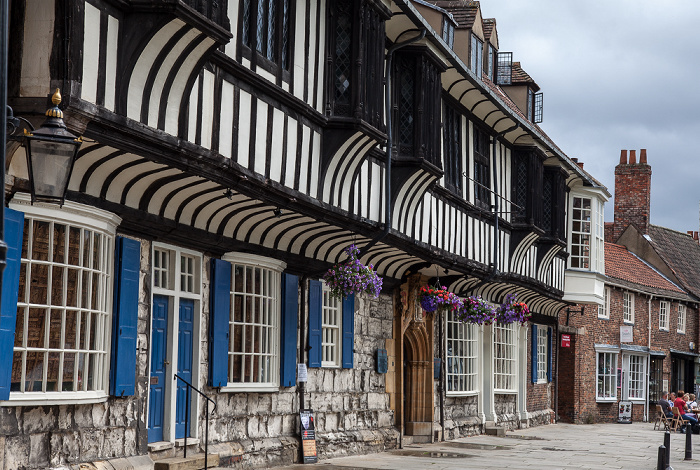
pixel 642 338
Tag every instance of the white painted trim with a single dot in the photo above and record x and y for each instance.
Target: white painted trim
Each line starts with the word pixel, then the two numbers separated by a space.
pixel 71 212
pixel 254 260
pixel 54 398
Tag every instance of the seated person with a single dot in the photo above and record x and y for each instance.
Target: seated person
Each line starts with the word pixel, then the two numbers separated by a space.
pixel 686 399
pixel 682 407
pixel 666 405
pixel 692 404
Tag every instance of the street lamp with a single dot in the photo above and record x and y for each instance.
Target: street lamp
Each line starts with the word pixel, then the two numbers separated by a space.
pixel 51 152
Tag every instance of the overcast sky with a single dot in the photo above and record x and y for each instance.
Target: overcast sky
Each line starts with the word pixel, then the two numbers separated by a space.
pixel 617 74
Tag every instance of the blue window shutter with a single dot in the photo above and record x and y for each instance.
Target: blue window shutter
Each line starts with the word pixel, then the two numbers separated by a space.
pixel 549 354
pixel 219 315
pixel 127 264
pixel 290 312
pixel 348 331
pixel 14 231
pixel 315 309
pixel 534 354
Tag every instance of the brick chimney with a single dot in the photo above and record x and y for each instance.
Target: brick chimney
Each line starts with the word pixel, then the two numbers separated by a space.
pixel 632 193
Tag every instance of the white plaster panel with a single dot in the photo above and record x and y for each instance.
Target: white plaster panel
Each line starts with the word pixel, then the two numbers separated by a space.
pixel 244 118
pixel 315 164
pixel 214 207
pixel 276 157
pixel 94 186
pixel 194 112
pixel 226 120
pixel 180 197
pixel 219 217
pixel 38 37
pixel 304 160
pixel 261 137
pixel 91 53
pixel 143 66
pixel 133 197
pixel 164 191
pixel 207 108
pixel 111 62
pixel 114 193
pixel 292 131
pixel 300 33
pixel 188 210
pixel 162 75
pixel 230 49
pixel 177 89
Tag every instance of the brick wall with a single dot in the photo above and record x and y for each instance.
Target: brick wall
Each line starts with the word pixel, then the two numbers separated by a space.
pixel 577 369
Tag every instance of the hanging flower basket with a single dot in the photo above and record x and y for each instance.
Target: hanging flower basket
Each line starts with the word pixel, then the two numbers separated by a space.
pixel 352 277
pixel 511 311
pixel 476 310
pixel 434 298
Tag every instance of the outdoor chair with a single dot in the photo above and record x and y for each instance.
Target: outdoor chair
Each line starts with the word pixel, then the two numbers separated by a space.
pixel 661 420
pixel 677 420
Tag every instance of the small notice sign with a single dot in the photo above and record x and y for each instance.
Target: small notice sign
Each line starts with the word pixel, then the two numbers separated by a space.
pixel 565 341
pixel 626 333
pixel 308 436
pixel 624 415
pixel 302 373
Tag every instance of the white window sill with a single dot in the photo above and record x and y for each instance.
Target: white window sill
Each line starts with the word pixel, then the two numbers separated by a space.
pixel 458 394
pixel 680 332
pixel 505 392
pixel 628 322
pixel 606 400
pixel 663 329
pixel 541 381
pixel 600 317
pixel 249 388
pixel 53 398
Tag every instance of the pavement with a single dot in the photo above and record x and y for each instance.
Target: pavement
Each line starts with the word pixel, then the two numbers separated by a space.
pixel 556 446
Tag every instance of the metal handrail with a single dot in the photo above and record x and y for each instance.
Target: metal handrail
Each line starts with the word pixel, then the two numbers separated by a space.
pixel 187 417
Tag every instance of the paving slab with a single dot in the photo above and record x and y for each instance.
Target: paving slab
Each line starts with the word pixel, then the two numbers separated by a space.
pixel 553 447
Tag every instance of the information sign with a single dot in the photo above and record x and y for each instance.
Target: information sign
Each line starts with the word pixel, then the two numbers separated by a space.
pixel 308 436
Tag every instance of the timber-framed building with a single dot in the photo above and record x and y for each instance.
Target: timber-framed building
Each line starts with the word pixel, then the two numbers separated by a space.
pixel 233 149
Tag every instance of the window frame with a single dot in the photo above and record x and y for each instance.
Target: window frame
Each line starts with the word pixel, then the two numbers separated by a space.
pixel 281 60
pixel 637 376
pixel 329 344
pixel 628 307
pixel 664 315
pixel 604 308
pixel 476 55
pixel 682 317
pixel 505 359
pixel 609 376
pixel 274 296
pixel 96 221
pixel 452 148
pixel 542 354
pixel 584 249
pixel 492 54
pixel 481 142
pixel 462 346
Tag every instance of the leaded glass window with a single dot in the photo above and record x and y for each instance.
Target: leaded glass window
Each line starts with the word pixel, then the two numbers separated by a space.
pixel 504 356
pixel 453 149
pixel 482 177
pixel 266 29
pixel 461 357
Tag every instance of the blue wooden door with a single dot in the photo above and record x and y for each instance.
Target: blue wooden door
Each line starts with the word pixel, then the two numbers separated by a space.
pixel 159 337
pixel 184 365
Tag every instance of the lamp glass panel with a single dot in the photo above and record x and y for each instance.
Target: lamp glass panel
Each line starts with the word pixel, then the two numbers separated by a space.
pixel 51 165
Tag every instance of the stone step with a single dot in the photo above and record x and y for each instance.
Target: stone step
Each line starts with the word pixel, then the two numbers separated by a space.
pixel 191 462
pixel 422 439
pixel 495 431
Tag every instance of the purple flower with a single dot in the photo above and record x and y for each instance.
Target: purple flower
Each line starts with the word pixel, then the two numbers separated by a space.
pixel 352 277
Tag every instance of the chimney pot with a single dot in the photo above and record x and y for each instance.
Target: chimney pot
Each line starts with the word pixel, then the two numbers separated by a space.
pixel 633 157
pixel 690 232
pixel 643 156
pixel 623 157
pixel 580 165
pixel 574 159
pixel 696 235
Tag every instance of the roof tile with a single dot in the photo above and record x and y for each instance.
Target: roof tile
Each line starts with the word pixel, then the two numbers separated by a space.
pixel 681 253
pixel 622 264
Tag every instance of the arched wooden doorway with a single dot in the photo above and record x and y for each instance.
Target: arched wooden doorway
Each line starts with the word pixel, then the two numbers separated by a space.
pixel 418 381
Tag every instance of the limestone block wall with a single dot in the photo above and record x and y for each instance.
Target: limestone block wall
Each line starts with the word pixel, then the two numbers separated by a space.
pixel 351 406
pixel 56 436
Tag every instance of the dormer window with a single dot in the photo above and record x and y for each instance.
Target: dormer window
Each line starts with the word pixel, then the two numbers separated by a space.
pixel 491 62
pixel 534 106
pixel 477 56
pixel 448 31
pixel 504 68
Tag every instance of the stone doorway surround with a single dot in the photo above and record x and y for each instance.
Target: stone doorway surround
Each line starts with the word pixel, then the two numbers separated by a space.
pixel 414 401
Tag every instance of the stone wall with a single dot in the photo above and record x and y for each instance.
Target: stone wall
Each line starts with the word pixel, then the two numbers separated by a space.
pixel 351 406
